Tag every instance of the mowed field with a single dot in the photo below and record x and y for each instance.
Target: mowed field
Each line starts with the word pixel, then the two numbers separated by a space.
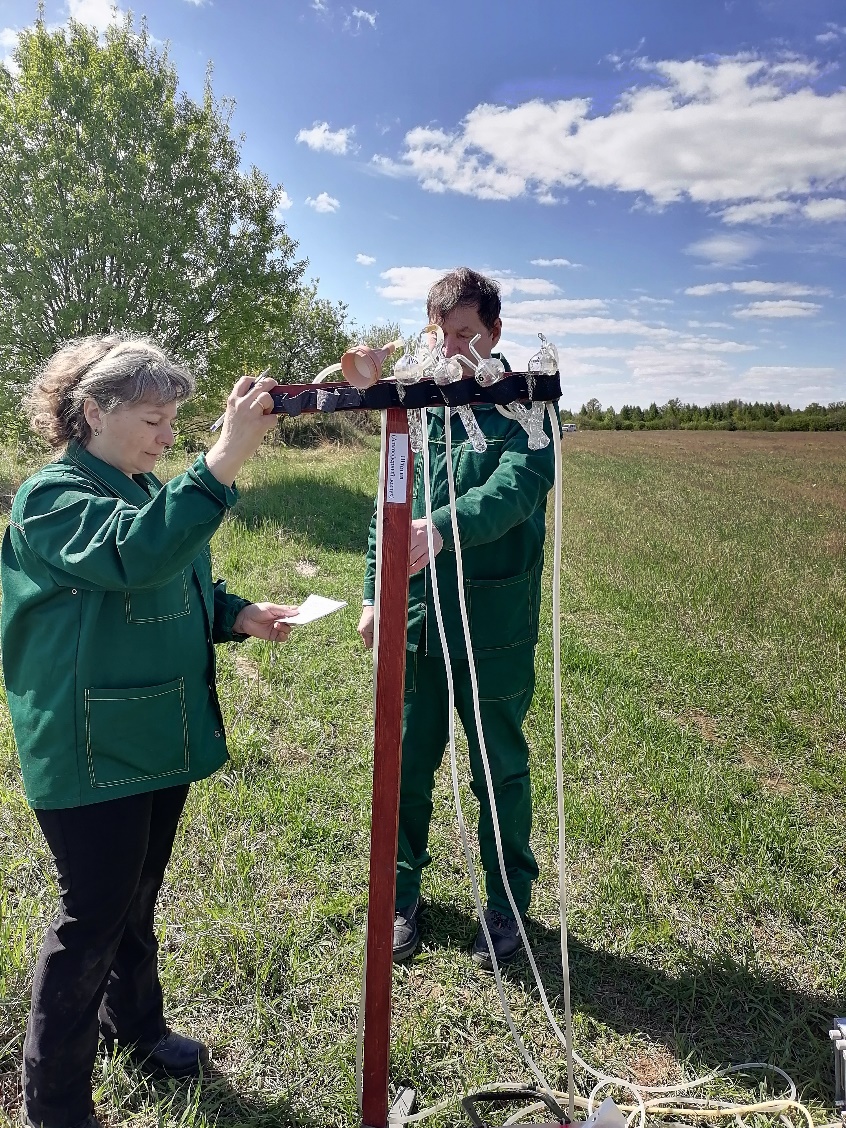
pixel 704 637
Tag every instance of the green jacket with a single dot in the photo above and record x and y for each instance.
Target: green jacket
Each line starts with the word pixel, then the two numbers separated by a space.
pixel 109 615
pixel 501 511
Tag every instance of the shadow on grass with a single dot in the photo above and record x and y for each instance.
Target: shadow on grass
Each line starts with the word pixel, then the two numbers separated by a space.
pixel 329 515
pixel 713 1012
pixel 217 1102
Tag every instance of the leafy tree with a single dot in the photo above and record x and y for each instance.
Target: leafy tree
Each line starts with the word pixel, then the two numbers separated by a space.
pixel 123 206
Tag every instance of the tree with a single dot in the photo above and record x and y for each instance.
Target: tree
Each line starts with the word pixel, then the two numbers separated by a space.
pixel 123 206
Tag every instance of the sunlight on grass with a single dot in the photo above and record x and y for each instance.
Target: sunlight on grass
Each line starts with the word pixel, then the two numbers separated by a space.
pixel 704 619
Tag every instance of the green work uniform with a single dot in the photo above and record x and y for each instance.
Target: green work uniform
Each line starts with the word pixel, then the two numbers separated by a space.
pixel 500 507
pixel 109 615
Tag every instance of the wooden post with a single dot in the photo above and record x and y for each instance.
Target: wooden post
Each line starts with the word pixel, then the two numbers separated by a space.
pixel 387 758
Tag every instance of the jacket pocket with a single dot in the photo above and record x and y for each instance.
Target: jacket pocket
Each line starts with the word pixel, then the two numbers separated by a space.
pixel 136 735
pixel 156 605
pixel 503 612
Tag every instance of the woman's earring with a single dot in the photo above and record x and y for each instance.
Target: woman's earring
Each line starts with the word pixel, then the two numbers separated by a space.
pixel 95 433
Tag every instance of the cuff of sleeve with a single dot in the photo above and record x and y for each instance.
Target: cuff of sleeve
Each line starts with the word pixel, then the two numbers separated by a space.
pixel 443 523
pixel 369 592
pixel 226 495
pixel 225 616
pixel 367 602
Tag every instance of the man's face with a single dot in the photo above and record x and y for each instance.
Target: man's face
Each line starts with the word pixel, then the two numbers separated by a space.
pixel 460 326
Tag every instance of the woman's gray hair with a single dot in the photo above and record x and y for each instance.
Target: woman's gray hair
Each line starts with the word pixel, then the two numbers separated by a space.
pixel 114 371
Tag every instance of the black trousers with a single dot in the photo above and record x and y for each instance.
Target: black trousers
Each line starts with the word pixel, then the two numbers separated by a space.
pixel 97 968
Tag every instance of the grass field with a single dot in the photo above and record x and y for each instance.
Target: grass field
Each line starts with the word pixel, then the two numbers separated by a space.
pixel 704 623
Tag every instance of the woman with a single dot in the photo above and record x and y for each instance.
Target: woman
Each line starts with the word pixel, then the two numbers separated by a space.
pixel 109 615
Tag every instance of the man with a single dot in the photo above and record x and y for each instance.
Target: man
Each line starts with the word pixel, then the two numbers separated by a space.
pixel 500 506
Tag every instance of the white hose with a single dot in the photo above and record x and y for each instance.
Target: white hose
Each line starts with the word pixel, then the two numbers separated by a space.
pixel 452 748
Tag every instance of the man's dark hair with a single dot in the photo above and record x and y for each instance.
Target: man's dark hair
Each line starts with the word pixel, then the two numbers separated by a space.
pixel 465 287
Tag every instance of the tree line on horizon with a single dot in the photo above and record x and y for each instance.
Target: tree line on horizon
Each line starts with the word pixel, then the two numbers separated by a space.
pixel 733 415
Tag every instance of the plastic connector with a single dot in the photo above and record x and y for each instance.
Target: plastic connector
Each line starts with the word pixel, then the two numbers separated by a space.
pixel 838 1037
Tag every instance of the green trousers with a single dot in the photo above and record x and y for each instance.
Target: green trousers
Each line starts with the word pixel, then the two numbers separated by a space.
pixel 506 684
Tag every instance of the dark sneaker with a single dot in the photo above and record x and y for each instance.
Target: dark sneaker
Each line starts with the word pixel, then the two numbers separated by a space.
pixel 89 1122
pixel 175 1055
pixel 406 932
pixel 505 937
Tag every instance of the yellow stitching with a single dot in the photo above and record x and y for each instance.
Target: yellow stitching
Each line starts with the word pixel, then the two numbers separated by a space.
pixel 159 618
pixel 180 689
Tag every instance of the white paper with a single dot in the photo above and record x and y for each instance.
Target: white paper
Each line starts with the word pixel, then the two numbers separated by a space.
pixel 315 607
pixel 397 465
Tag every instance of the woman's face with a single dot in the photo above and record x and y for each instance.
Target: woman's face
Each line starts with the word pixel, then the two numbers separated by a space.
pixel 133 435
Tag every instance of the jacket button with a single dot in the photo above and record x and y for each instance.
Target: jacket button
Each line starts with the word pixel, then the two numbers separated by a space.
pixel 218 732
pixel 73 591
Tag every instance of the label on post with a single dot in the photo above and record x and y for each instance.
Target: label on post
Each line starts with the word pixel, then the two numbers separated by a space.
pixel 397 469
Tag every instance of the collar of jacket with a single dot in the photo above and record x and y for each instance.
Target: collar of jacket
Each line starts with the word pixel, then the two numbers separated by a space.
pixel 114 480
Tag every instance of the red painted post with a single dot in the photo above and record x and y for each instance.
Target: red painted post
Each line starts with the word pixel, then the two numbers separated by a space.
pixel 387 758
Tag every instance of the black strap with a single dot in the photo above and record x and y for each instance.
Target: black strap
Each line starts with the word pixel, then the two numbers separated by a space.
pixel 386 393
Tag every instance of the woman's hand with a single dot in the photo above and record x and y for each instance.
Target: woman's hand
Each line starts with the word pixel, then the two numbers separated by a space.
pixel 249 416
pixel 265 620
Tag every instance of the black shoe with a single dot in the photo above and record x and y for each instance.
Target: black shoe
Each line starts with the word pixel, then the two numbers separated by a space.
pixel 406 932
pixel 175 1055
pixel 89 1122
pixel 505 937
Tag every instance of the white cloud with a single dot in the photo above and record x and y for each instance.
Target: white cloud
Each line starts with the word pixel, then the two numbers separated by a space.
pixel 509 285
pixel 785 289
pixel 824 211
pixel 8 42
pixel 197 3
pixel 362 17
pixel 283 203
pixel 738 130
pixel 780 309
pixel 553 262
pixel 321 137
pixel 832 35
pixel 761 211
pixel 96 13
pixel 799 385
pixel 724 250
pixel 365 260
pixel 323 203
pixel 412 283
pixel 556 306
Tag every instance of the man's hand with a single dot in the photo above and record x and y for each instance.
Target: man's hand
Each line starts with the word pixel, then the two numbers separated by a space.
pixel 264 620
pixel 365 626
pixel 420 545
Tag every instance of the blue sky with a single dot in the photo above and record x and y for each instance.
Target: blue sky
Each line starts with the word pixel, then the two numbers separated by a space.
pixel 659 186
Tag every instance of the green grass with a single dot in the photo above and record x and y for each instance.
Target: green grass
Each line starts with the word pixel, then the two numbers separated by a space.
pixel 704 617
